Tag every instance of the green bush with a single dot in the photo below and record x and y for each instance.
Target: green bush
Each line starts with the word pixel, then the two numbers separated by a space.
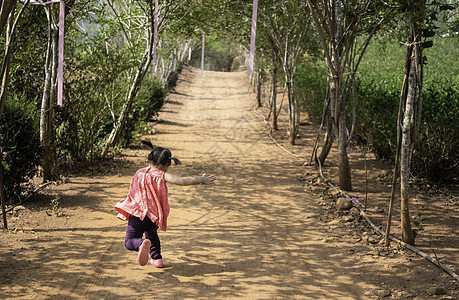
pixel 20 140
pixel 435 157
pixel 218 55
pixel 377 110
pixel 378 82
pixel 172 80
pixel 311 79
pixel 149 101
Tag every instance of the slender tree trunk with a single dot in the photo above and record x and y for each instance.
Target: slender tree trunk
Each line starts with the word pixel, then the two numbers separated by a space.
pixel 259 85
pixel 118 128
pixel 405 157
pixel 344 168
pixel 411 119
pixel 274 96
pixel 6 61
pixel 46 107
pixel 5 79
pixel 293 109
pixel 291 113
pixel 2 198
pixel 144 65
pixel 327 143
pixel 7 7
pixel 397 154
pixel 330 114
pixel 8 10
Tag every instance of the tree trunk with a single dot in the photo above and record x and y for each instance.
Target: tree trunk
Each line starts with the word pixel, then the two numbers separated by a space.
pixel 2 198
pixel 328 142
pixel 274 96
pixel 293 109
pixel 405 156
pixel 397 154
pixel 411 119
pixel 259 85
pixel 46 107
pixel 292 112
pixel 6 8
pixel 330 115
pixel 6 61
pixel 113 139
pixel 344 169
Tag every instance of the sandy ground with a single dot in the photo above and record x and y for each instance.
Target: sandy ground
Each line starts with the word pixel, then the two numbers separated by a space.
pixel 267 229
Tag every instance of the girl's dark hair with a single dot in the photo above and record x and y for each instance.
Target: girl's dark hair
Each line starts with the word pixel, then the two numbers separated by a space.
pixel 162 157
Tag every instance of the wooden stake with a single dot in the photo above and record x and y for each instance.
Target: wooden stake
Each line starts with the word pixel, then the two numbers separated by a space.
pixel 5 223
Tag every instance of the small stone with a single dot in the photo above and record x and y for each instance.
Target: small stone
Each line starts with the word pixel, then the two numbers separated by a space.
pixel 372 240
pixel 348 218
pixel 355 211
pixel 334 222
pixel 446 297
pixel 334 191
pixel 19 207
pixel 383 293
pixel 343 204
pixel 436 291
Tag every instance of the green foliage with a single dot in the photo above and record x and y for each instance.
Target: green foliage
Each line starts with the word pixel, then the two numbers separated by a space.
pixel 419 221
pixel 379 80
pixel 27 61
pixel 94 93
pixel 377 114
pixel 172 80
pixel 218 55
pixel 20 141
pixel 150 100
pixel 55 204
pixel 311 79
pixel 435 157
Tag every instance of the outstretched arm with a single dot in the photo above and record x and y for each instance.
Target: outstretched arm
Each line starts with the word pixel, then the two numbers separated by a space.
pixel 204 179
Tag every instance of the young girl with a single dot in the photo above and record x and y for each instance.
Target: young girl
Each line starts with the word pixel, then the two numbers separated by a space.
pixel 146 207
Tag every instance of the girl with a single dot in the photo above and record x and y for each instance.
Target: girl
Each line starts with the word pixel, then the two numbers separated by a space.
pixel 146 207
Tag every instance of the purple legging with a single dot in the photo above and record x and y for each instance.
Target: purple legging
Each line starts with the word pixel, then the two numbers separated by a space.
pixel 134 233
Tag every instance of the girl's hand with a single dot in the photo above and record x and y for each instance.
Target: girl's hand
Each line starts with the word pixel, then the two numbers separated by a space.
pixel 208 179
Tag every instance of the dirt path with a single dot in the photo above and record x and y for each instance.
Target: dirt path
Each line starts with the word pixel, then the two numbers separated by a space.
pixel 255 234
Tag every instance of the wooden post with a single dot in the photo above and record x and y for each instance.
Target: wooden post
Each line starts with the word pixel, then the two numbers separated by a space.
pixel 5 223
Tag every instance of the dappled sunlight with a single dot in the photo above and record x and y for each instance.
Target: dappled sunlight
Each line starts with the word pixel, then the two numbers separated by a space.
pixel 255 233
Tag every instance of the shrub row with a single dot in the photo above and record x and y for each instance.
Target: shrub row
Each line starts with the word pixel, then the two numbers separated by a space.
pixel 80 128
pixel 435 157
pixel 20 142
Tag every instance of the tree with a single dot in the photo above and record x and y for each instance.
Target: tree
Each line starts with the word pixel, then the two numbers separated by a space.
pixel 339 24
pixel 288 32
pixel 141 16
pixel 409 115
pixel 49 94
pixel 8 8
pixel 11 28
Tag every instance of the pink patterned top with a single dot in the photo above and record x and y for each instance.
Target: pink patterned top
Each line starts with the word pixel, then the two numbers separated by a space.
pixel 147 197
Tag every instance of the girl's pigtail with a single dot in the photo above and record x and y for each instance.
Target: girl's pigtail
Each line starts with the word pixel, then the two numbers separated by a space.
pixel 176 161
pixel 148 144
